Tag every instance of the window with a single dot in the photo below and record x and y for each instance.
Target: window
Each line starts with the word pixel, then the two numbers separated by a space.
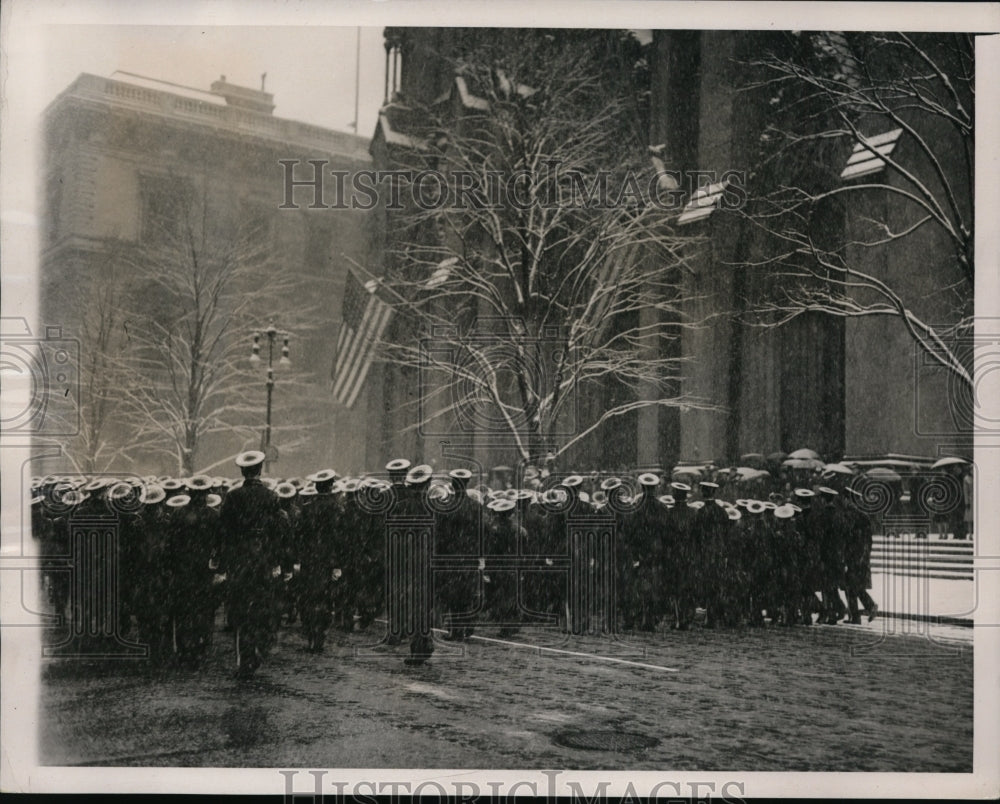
pixel 165 201
pixel 867 155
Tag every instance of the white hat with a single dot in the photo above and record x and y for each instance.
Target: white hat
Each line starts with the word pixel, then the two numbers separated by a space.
pixel 572 481
pixel 828 491
pixel 285 490
pixel 322 476
pixel 398 465
pixel 805 493
pixel 666 499
pixel 419 475
pixel 178 501
pixel 611 483
pixel 250 458
pixel 120 490
pixel 460 474
pixel 500 505
pixel 153 493
pixel 199 483
pixel 784 512
pixel 213 500
pixel 755 507
pixel 648 479
pixel 696 504
pixel 734 514
pixel 677 486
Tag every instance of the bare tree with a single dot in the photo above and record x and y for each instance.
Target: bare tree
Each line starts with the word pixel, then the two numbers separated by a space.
pixel 899 109
pixel 203 285
pixel 540 271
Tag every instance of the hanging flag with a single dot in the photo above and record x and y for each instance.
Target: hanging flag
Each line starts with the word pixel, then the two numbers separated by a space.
pixel 365 317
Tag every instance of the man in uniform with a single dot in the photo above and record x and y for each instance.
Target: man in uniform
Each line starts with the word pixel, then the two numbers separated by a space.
pixel 687 570
pixel 413 503
pixel 253 525
pixel 711 529
pixel 457 535
pixel 318 559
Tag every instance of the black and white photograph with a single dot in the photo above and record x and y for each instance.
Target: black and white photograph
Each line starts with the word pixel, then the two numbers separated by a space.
pixel 433 399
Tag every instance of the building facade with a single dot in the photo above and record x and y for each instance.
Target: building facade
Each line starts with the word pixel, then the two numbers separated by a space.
pixel 850 386
pixel 122 155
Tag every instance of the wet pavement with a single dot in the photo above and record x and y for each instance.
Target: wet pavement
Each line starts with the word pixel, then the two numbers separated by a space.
pixel 820 698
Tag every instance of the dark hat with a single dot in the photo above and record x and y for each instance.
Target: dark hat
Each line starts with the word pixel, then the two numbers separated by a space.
pixel 253 457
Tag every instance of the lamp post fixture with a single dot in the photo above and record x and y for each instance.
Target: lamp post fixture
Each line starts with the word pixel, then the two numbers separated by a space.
pixel 272 335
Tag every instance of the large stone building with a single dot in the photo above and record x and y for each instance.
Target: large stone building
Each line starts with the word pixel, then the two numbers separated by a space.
pixel 852 387
pixel 122 155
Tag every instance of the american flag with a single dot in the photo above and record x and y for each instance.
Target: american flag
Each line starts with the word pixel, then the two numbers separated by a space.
pixel 365 317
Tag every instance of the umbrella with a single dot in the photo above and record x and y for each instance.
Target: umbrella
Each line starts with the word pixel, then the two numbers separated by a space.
pixel 887 475
pixel 803 463
pixel 754 459
pixel 686 470
pixel 749 473
pixel 838 469
pixel 805 453
pixel 896 462
pixel 776 457
pixel 951 461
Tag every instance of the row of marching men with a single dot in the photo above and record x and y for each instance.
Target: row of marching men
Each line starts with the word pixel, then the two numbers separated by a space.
pixel 316 553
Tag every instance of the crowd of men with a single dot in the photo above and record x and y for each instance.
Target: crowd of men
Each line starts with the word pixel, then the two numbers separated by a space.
pixel 320 551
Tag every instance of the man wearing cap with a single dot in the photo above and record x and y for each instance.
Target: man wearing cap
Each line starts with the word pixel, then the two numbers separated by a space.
pixel 319 559
pixel 687 571
pixel 711 527
pixel 151 593
pixel 192 545
pixel 252 526
pixel 503 537
pixel 456 533
pixel 417 596
pixel 857 557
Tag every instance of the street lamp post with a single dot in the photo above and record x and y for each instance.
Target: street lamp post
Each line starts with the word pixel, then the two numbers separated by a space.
pixel 271 334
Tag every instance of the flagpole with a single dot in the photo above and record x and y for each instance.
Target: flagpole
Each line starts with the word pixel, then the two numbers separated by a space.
pixel 357 81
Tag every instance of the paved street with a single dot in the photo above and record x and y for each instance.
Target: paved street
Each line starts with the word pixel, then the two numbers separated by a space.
pixel 841 698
